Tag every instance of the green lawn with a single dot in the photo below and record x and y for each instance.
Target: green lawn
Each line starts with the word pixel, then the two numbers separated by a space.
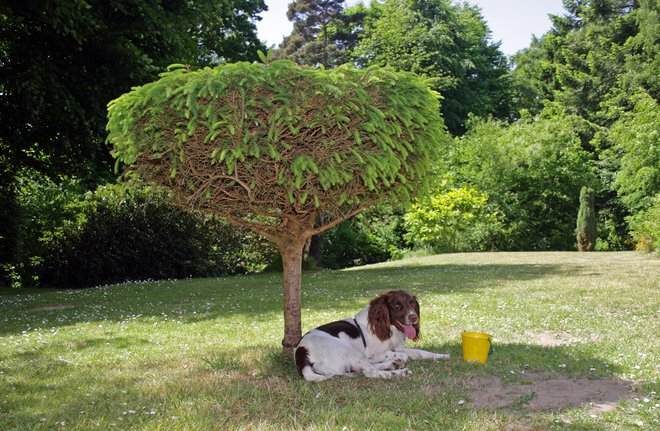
pixel 205 354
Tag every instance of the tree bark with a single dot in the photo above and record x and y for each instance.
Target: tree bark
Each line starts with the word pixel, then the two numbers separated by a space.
pixel 291 252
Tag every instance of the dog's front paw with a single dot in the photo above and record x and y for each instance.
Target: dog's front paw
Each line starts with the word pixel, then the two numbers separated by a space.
pixel 403 372
pixel 439 356
pixel 399 358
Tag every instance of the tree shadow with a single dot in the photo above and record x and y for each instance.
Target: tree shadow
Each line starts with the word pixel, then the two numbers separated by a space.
pixel 249 296
pixel 256 386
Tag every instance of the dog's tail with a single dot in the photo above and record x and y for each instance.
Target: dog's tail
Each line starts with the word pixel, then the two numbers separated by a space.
pixel 305 367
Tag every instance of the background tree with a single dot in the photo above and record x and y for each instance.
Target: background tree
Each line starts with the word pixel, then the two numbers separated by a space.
pixel 593 63
pixel 283 150
pixel 62 61
pixel 586 221
pixel 446 41
pixel 635 144
pixel 320 33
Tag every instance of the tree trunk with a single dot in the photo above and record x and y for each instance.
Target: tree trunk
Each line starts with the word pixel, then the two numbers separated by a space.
pixel 291 252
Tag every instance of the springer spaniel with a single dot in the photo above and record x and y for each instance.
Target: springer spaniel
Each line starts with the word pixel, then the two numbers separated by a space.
pixel 371 344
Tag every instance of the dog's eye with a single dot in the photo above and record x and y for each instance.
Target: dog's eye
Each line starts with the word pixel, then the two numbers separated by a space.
pixel 397 306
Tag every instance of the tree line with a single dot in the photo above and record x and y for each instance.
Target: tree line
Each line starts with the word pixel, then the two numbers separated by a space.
pixel 578 107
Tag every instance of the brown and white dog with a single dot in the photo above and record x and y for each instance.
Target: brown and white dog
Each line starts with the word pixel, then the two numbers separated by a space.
pixel 371 343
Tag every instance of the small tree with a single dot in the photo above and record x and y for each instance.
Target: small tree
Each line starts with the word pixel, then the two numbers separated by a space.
pixel 284 150
pixel 586 222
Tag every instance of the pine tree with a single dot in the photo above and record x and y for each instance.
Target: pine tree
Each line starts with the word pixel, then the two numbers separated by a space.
pixel 586 223
pixel 317 27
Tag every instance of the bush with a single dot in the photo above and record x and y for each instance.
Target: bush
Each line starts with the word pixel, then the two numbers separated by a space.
pixel 372 236
pixel 121 233
pixel 586 222
pixel 43 207
pixel 451 219
pixel 532 171
pixel 645 228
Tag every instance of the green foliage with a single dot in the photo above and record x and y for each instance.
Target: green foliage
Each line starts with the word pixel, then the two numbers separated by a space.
pixel 595 62
pixel 121 233
pixel 374 235
pixel 324 33
pixel 594 59
pixel 636 148
pixel 280 139
pixel 447 219
pixel 446 41
pixel 8 214
pixel 44 206
pixel 62 61
pixel 586 221
pixel 645 227
pixel 532 171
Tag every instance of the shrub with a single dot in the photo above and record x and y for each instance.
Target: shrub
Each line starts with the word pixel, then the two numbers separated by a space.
pixel 372 236
pixel 586 222
pixel 451 219
pixel 121 233
pixel 43 207
pixel 645 228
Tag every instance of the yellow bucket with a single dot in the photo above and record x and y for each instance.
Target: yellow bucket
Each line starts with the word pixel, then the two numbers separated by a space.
pixel 476 346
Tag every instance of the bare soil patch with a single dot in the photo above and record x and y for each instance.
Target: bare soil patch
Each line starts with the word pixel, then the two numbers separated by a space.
pixel 555 339
pixel 556 393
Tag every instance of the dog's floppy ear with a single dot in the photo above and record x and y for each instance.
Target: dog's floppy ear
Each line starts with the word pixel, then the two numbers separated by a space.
pixel 379 318
pixel 419 318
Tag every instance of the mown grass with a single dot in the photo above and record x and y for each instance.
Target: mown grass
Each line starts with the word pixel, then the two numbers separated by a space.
pixel 204 354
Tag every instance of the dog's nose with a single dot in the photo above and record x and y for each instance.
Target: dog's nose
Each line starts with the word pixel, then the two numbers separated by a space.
pixel 413 319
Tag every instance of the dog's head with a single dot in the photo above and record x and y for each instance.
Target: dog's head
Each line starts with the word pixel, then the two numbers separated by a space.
pixel 396 308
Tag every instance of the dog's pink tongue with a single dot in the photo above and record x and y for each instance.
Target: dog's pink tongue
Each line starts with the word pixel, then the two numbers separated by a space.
pixel 409 330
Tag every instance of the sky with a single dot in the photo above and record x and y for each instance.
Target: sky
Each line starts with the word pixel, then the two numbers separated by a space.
pixel 512 22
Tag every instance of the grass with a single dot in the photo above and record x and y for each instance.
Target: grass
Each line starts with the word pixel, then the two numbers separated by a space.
pixel 204 354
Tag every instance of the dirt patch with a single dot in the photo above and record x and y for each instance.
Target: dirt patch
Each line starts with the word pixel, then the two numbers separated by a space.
pixel 555 339
pixel 556 393
pixel 52 307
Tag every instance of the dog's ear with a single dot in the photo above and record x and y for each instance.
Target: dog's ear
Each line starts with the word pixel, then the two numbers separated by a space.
pixel 379 318
pixel 419 318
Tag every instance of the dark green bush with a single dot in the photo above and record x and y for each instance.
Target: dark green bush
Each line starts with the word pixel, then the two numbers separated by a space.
pixel 370 237
pixel 586 223
pixel 121 233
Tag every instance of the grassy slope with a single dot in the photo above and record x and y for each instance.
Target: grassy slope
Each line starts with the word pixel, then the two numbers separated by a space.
pixel 204 354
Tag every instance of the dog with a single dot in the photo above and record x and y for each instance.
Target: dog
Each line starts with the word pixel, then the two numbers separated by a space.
pixel 371 343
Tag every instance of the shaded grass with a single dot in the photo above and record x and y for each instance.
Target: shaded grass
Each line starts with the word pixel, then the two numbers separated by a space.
pixel 204 353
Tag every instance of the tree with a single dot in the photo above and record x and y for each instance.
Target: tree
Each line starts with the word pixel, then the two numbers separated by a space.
pixel 323 33
pixel 446 41
pixel 586 222
pixel 62 61
pixel 636 147
pixel 284 150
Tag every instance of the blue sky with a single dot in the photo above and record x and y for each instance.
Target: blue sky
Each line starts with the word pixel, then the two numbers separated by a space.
pixel 512 21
